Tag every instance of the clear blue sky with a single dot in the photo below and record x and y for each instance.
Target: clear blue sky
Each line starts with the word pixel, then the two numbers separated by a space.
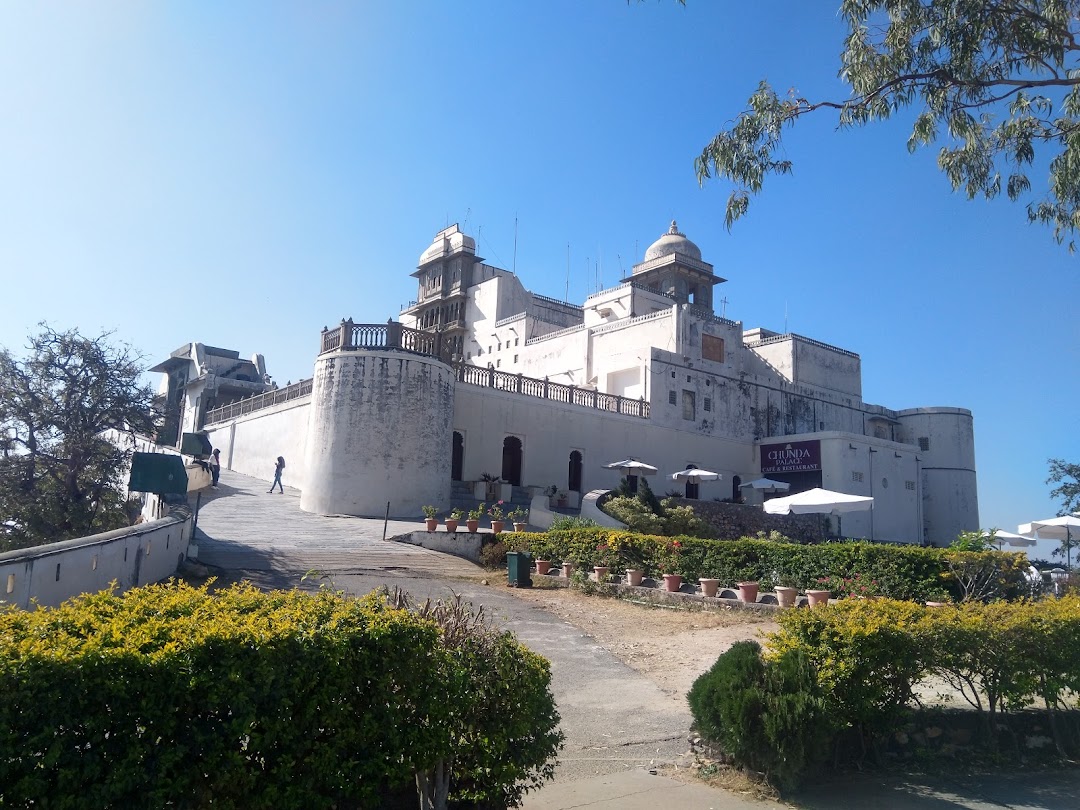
pixel 242 174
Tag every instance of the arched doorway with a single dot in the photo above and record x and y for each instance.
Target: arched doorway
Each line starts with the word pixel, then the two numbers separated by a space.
pixel 511 460
pixel 691 485
pixel 736 489
pixel 573 475
pixel 457 457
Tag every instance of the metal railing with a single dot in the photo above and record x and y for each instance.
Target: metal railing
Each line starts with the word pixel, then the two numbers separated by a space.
pixel 259 402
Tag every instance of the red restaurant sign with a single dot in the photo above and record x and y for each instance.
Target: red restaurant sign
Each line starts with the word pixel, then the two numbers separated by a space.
pixel 791 457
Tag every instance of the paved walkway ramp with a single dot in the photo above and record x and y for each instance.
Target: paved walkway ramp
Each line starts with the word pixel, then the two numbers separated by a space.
pixel 242 526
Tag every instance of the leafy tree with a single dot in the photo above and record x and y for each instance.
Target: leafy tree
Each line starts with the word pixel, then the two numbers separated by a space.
pixel 59 478
pixel 992 79
pixel 1068 490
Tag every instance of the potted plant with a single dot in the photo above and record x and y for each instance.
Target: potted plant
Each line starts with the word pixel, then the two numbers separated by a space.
pixel 670 559
pixel 634 575
pixel 452 521
pixel 520 518
pixel 606 555
pixel 551 492
pixel 542 567
pixel 786 592
pixel 709 586
pixel 819 595
pixel 472 522
pixel 562 499
pixel 496 515
pixel 491 485
pixel 748 592
pixel 430 519
pixel 567 569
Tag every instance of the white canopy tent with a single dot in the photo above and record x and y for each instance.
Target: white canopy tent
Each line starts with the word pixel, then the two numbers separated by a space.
pixel 819 501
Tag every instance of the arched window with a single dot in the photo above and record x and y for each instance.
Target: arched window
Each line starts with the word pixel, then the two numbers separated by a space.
pixel 691 485
pixel 457 457
pixel 511 460
pixel 573 476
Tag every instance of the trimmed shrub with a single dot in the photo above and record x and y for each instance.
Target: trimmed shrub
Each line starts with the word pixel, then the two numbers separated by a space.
pixel 870 654
pixel 493 555
pixel 901 572
pixel 170 695
pixel 767 714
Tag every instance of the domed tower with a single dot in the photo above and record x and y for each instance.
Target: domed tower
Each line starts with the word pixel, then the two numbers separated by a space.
pixel 444 275
pixel 673 265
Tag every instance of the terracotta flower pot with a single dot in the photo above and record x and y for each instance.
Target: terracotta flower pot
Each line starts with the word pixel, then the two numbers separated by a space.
pixel 472 525
pixel 601 572
pixel 451 525
pixel 785 597
pixel 497 525
pixel 432 524
pixel 672 582
pixel 520 527
pixel 709 586
pixel 542 567
pixel 567 569
pixel 634 575
pixel 748 592
pixel 816 598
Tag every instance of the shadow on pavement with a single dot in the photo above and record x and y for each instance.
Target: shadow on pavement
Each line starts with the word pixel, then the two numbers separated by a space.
pixel 1050 790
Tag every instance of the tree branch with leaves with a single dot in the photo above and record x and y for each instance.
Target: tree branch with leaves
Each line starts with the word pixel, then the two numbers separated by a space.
pixel 995 81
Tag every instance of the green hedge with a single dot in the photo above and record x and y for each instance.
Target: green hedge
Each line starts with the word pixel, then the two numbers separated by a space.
pixel 173 696
pixel 900 572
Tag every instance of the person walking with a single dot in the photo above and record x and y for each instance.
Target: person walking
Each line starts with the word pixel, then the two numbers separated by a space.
pixel 277 475
pixel 215 467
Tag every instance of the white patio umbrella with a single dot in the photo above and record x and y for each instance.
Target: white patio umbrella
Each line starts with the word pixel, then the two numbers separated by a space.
pixel 767 485
pixel 1058 528
pixel 694 474
pixel 819 501
pixel 632 468
pixel 1002 537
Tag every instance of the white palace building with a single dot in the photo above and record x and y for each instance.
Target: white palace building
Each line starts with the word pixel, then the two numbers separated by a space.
pixel 482 376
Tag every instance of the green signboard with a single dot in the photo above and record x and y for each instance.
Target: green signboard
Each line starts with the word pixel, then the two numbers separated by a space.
pixel 159 473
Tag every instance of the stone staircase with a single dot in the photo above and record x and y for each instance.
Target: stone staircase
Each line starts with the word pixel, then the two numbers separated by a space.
pixel 461 497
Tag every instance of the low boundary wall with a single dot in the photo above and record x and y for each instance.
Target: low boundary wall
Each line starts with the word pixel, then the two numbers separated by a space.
pixel 137 555
pixel 460 544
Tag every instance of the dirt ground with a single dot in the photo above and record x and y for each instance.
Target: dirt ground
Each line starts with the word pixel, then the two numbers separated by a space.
pixel 670 646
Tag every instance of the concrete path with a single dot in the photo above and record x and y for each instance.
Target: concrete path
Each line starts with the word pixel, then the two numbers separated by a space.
pixel 242 527
pixel 618 724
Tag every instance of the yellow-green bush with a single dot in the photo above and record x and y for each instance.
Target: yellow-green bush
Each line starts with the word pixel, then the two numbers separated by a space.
pixel 865 658
pixel 902 572
pixel 169 695
pixel 1001 656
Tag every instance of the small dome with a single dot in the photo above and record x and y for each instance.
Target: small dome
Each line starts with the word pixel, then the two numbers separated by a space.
pixel 672 242
pixel 447 241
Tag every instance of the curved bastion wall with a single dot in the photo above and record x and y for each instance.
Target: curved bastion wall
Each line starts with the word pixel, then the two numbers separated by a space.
pixel 380 431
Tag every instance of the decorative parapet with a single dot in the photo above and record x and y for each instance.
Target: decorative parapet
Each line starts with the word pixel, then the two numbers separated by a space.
pixel 393 335
pixel 555 392
pixel 792 336
pixel 557 333
pixel 625 322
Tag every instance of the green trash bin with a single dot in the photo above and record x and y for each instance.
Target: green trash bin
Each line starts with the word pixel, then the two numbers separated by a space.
pixel 519 569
